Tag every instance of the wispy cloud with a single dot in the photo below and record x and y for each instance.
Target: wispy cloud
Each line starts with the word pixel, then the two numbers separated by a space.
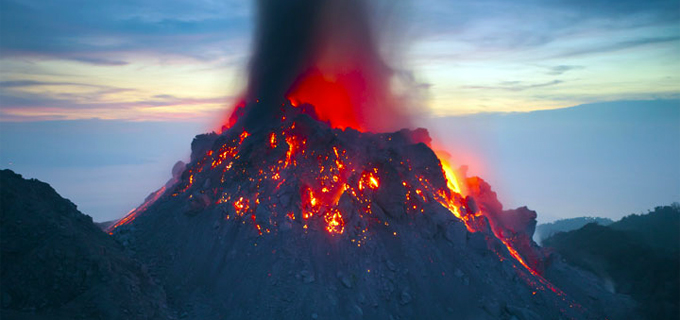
pixel 616 46
pixel 33 83
pixel 95 32
pixel 515 86
pixel 20 104
pixel 490 27
pixel 561 69
pixel 100 61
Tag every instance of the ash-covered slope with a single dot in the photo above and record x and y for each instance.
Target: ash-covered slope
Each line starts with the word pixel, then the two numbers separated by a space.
pixel 56 264
pixel 296 220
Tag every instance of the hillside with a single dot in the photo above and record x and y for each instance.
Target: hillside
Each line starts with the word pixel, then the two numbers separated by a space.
pixel 637 256
pixel 546 230
pixel 659 228
pixel 56 264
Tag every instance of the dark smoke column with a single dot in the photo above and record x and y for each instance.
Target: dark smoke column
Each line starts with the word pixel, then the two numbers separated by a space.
pixel 323 52
pixel 283 47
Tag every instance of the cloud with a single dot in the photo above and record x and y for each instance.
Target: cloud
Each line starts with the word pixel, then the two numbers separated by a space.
pixel 617 46
pixel 515 86
pixel 100 61
pixel 164 96
pixel 80 101
pixel 488 27
pixel 91 100
pixel 33 83
pixel 561 69
pixel 13 95
pixel 97 33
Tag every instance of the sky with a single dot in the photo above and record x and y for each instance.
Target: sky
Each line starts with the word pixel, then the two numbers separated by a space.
pixel 119 88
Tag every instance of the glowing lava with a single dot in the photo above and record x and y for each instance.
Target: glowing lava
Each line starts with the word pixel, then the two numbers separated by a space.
pixel 338 94
pixel 334 221
pixel 451 179
pixel 130 216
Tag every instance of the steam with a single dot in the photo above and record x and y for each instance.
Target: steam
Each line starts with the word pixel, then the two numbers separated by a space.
pixel 329 41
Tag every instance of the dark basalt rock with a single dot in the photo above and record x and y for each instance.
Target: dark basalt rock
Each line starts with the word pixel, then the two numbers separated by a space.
pixel 264 246
pixel 57 264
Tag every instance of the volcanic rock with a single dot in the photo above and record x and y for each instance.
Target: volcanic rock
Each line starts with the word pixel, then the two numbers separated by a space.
pixel 56 264
pixel 296 219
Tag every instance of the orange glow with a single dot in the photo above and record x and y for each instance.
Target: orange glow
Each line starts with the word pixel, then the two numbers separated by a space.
pixel 451 179
pixel 272 140
pixel 132 215
pixel 369 179
pixel 243 136
pixel 257 226
pixel 241 206
pixel 334 222
pixel 293 143
pixel 312 200
pixel 330 96
pixel 374 182
pixel 517 256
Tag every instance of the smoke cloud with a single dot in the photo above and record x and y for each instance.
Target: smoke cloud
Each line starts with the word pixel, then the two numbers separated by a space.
pixel 322 52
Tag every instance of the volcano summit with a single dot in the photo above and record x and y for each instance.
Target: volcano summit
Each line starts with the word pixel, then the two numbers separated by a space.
pixel 298 220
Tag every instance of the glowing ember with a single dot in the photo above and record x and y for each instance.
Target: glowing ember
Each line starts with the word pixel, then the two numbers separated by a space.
pixel 272 140
pixel 335 223
pixel 374 184
pixel 241 206
pixel 312 200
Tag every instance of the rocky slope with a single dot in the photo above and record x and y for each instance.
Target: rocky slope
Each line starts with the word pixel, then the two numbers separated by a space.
pixel 297 220
pixel 56 264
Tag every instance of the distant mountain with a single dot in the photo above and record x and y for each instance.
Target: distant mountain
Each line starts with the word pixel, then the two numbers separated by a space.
pixel 546 230
pixel 637 256
pixel 56 264
pixel 659 228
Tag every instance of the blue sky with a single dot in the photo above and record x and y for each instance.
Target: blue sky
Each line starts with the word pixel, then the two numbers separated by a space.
pixel 169 60
pixel 155 65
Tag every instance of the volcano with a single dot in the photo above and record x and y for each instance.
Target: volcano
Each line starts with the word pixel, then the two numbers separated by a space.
pixel 298 209
pixel 300 220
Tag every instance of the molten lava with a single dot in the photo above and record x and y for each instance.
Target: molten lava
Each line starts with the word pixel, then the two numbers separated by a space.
pixel 132 215
pixel 338 94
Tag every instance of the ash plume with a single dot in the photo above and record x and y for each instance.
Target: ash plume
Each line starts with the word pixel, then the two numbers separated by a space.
pixel 283 38
pixel 325 53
